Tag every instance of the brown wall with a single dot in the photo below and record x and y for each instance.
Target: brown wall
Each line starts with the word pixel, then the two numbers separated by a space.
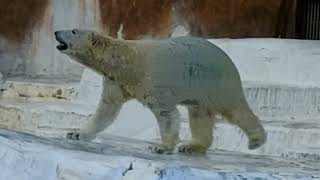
pixel 138 17
pixel 230 18
pixel 18 17
pixel 156 18
pixel 205 18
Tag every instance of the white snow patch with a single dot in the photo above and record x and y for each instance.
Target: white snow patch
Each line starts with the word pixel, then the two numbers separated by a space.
pixel 277 61
pixel 119 33
pixel 179 31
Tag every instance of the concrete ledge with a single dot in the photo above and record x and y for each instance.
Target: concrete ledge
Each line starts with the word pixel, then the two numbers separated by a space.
pixel 266 99
pixel 283 101
pixel 55 119
pixel 285 139
pixel 40 89
pixel 43 118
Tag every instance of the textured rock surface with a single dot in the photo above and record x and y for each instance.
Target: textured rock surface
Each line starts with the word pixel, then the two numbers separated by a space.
pixel 283 101
pixel 48 89
pixel 29 157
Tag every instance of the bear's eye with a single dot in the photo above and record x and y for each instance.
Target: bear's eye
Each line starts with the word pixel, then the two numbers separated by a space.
pixel 73 32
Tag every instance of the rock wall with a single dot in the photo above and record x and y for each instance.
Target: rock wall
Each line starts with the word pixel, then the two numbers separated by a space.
pixel 60 14
pixel 30 48
pixel 27 46
pixel 205 18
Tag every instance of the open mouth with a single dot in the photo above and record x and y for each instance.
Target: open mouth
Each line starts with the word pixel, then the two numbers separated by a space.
pixel 63 45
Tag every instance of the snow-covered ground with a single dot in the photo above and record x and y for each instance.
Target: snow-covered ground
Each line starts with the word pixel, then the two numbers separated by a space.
pixel 26 157
pixel 281 84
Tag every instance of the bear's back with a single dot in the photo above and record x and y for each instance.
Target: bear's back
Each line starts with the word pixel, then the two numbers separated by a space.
pixel 189 66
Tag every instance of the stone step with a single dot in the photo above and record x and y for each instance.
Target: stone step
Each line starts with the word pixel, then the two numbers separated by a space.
pixel 267 100
pixel 43 118
pixel 277 100
pixel 55 119
pixel 286 139
pixel 46 89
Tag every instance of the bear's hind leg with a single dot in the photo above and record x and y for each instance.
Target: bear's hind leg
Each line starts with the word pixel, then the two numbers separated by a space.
pixel 201 126
pixel 169 124
pixel 249 123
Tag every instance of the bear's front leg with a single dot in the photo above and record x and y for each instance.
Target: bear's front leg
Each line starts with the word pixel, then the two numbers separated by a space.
pixel 104 116
pixel 169 124
pixel 108 108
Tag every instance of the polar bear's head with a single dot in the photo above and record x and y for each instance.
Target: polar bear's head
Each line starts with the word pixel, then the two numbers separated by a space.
pixel 77 44
pixel 96 51
pixel 75 40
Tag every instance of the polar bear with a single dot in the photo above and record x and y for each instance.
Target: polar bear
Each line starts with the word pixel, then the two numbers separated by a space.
pixel 162 74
